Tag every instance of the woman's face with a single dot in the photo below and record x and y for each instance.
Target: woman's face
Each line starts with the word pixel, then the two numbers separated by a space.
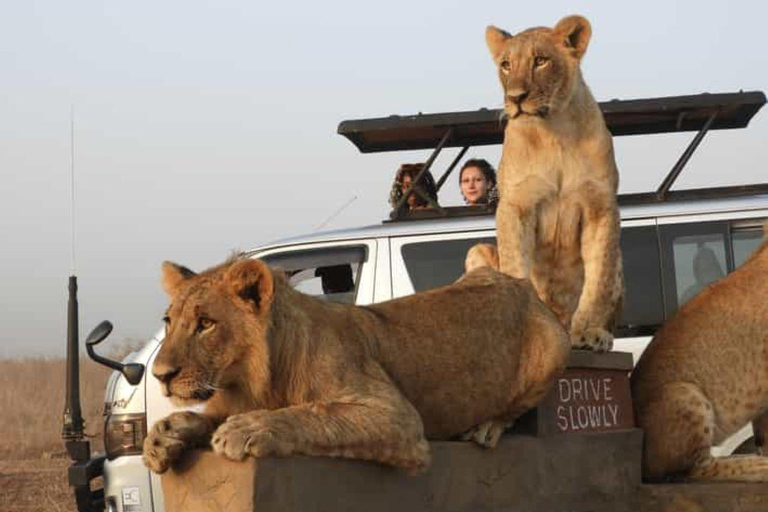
pixel 474 186
pixel 413 198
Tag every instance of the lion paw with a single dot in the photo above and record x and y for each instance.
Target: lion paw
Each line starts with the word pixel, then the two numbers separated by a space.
pixel 486 434
pixel 168 439
pixel 243 435
pixel 592 338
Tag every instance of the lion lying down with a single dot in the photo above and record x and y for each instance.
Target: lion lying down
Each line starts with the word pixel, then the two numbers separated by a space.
pixel 285 373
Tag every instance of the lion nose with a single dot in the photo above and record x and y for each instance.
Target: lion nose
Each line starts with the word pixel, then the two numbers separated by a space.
pixel 164 372
pixel 517 96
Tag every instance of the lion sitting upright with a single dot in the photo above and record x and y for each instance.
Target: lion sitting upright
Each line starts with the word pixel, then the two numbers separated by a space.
pixel 704 376
pixel 557 221
pixel 284 373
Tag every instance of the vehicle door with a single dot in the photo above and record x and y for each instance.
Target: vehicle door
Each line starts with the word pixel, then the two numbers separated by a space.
pixel 334 271
pixel 643 303
pixel 697 251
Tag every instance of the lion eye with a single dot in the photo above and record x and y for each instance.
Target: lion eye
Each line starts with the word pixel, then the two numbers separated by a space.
pixel 539 61
pixel 505 65
pixel 203 324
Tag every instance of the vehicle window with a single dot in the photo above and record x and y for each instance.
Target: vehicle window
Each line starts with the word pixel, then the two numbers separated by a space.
pixel 332 274
pixel 437 263
pixel 643 309
pixel 744 243
pixel 699 261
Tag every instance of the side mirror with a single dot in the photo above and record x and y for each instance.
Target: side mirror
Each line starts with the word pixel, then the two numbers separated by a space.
pixel 99 333
pixel 133 372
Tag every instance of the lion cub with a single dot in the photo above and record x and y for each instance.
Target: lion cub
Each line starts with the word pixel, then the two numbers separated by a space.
pixel 557 220
pixel 282 373
pixel 704 376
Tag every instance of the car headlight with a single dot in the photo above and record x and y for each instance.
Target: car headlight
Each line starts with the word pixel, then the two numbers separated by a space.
pixel 124 434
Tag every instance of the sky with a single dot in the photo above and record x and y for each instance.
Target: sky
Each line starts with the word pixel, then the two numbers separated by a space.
pixel 203 127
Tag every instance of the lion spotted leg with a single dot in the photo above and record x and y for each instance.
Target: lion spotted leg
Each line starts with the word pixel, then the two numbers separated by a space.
pixel 602 288
pixel 679 426
pixel 353 427
pixel 172 436
pixel 736 468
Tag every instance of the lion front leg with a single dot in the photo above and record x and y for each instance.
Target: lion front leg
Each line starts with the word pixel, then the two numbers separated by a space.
pixel 603 286
pixel 515 235
pixel 358 428
pixel 172 436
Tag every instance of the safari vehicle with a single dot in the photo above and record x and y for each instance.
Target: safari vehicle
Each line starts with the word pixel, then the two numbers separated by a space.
pixel 663 233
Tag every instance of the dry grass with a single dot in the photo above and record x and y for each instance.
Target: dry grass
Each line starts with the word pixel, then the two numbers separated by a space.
pixel 32 401
pixel 33 462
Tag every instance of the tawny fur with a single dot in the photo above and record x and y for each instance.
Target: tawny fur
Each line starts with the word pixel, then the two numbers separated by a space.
pixel 704 376
pixel 285 373
pixel 481 255
pixel 557 220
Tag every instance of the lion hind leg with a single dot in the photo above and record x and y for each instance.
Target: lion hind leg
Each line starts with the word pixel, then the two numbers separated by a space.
pixel 679 427
pixel 487 434
pixel 546 351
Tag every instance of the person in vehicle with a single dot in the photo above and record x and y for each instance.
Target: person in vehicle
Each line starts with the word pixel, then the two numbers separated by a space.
pixel 425 194
pixel 337 283
pixel 477 181
pixel 706 270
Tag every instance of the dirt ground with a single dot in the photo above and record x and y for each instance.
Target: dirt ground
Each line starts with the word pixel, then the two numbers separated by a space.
pixel 36 485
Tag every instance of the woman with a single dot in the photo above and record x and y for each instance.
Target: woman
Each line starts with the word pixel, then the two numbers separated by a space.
pixel 477 180
pixel 405 176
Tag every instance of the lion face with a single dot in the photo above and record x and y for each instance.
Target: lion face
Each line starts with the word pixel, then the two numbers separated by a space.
pixel 539 68
pixel 215 329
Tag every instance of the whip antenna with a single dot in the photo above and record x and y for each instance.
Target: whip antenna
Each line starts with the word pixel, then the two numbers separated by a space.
pixel 72 186
pixel 336 213
pixel 73 426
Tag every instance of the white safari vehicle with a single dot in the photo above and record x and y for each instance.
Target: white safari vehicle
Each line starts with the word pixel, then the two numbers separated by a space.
pixel 674 243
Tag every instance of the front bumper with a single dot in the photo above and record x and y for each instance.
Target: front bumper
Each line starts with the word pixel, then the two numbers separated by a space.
pixel 81 476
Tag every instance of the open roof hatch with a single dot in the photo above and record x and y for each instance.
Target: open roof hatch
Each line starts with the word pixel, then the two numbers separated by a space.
pixel 700 113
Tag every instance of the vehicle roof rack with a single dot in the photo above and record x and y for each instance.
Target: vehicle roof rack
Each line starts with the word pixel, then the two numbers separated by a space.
pixel 699 112
pixel 486 126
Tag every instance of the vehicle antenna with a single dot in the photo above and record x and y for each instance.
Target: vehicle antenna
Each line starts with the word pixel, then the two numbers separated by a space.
pixel 72 186
pixel 73 426
pixel 336 213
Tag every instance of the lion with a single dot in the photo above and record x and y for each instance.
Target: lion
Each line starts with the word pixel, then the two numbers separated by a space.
pixel 704 376
pixel 280 372
pixel 557 220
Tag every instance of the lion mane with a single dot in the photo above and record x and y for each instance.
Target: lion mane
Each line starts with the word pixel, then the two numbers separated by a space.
pixel 280 372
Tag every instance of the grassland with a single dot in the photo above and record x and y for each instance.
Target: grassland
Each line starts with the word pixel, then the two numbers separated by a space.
pixel 33 462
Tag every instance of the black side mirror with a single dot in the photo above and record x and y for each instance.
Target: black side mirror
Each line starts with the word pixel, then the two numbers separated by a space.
pixel 132 371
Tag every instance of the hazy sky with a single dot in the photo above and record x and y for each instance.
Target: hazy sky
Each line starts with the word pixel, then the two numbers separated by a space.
pixel 202 129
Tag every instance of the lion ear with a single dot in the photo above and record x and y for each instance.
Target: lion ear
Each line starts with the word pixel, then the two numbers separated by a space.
pixel 173 276
pixel 252 282
pixel 495 39
pixel 574 32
